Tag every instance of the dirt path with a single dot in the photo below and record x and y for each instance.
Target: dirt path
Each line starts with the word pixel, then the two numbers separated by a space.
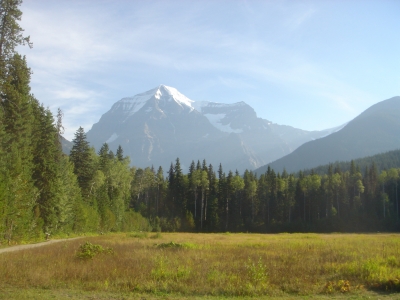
pixel 29 246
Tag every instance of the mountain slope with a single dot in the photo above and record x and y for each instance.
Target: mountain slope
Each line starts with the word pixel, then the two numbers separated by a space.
pixel 374 131
pixel 382 161
pixel 156 127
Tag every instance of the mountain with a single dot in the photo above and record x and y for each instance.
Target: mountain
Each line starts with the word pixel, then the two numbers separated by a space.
pixel 156 127
pixel 382 161
pixel 374 131
pixel 65 145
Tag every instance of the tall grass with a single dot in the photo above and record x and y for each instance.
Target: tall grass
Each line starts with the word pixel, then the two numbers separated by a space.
pixel 212 264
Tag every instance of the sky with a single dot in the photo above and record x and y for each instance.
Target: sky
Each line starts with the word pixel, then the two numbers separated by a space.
pixel 312 65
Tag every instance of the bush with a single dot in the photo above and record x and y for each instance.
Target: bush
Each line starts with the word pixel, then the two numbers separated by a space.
pixel 89 250
pixel 177 245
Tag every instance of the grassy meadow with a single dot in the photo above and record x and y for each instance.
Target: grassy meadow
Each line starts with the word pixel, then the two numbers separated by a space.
pixel 183 265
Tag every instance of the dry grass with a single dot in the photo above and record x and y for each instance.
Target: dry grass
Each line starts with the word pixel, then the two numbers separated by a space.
pixel 282 265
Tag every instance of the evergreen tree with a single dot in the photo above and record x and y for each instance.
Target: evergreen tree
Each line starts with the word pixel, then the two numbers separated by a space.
pixel 16 103
pixel 204 185
pixel 178 190
pixel 236 185
pixel 10 34
pixel 69 196
pixel 212 207
pixel 161 190
pixel 120 153
pixel 46 167
pixel 3 172
pixel 104 158
pixel 59 126
pixel 81 157
pixel 223 203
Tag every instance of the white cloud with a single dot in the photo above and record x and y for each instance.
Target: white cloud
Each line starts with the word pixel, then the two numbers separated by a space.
pixel 87 54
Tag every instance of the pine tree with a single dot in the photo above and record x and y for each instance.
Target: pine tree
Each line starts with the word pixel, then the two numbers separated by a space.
pixel 3 172
pixel 179 190
pixel 10 34
pixel 212 207
pixel 104 157
pixel 46 165
pixel 120 153
pixel 161 190
pixel 69 196
pixel 223 202
pixel 16 103
pixel 81 157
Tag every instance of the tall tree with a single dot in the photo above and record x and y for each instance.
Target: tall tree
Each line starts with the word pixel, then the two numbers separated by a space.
pixel 46 167
pixel 10 31
pixel 16 103
pixel 120 153
pixel 10 34
pixel 81 157
pixel 204 184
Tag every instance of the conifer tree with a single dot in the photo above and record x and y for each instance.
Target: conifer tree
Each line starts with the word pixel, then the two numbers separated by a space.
pixel 16 103
pixel 10 31
pixel 46 165
pixel 81 157
pixel 120 153
pixel 178 190
pixel 3 172
pixel 69 196
pixel 161 189
pixel 104 157
pixel 212 207
pixel 10 34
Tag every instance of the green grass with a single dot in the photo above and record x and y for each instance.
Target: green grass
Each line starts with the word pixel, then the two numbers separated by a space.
pixel 215 266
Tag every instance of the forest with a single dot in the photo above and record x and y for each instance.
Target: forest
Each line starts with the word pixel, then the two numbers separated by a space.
pixel 44 191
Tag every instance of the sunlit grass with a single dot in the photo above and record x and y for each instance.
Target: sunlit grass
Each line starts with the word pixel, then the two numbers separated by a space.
pixel 212 264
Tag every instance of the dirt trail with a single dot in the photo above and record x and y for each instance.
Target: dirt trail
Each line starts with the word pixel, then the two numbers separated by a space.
pixel 29 246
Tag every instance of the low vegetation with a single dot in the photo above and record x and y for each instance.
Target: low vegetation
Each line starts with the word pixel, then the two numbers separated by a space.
pixel 219 265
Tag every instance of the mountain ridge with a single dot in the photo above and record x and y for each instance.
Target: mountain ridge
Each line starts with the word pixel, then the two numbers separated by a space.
pixel 374 131
pixel 157 126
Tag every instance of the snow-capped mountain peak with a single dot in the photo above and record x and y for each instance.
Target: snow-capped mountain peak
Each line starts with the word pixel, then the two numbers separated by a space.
pixel 161 124
pixel 172 94
pixel 131 105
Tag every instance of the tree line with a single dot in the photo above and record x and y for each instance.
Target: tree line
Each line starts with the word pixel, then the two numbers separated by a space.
pixel 214 201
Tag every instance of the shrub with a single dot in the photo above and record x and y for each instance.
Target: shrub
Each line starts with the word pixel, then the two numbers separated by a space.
pixel 342 286
pixel 177 245
pixel 257 272
pixel 89 250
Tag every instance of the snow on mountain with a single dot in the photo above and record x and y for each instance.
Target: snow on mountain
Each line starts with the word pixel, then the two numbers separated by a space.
pixel 217 121
pixel 112 138
pixel 198 105
pixel 173 94
pixel 157 126
pixel 131 105
pixel 211 110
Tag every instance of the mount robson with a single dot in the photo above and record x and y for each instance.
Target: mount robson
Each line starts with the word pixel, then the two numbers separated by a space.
pixel 160 125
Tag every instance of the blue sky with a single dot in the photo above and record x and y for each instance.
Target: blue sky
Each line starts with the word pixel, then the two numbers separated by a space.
pixel 309 64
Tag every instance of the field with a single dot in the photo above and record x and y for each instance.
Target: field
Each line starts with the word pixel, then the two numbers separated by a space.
pixel 206 266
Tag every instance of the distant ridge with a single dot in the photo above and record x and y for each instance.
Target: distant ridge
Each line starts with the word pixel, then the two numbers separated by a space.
pixel 382 161
pixel 374 131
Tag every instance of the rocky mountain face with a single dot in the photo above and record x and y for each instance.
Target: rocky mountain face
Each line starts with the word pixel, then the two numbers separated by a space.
pixel 156 127
pixel 374 131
